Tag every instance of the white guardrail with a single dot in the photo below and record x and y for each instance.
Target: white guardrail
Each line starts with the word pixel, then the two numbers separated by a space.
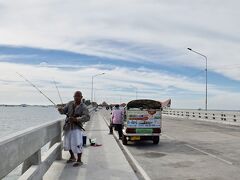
pixel 228 117
pixel 25 147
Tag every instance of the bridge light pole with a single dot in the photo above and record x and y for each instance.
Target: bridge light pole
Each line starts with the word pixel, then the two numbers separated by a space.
pixel 206 70
pixel 92 84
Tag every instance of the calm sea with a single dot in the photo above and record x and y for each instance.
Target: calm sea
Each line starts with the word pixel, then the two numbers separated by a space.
pixel 13 119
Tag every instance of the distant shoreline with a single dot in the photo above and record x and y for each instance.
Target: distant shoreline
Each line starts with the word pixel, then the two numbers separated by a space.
pixel 24 105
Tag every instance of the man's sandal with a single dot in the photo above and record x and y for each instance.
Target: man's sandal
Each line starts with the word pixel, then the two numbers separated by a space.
pixel 71 160
pixel 77 164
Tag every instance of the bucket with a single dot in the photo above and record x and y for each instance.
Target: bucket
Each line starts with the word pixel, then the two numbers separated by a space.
pixel 92 141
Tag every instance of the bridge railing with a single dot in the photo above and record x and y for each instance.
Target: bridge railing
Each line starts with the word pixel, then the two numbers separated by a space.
pixel 25 147
pixel 224 116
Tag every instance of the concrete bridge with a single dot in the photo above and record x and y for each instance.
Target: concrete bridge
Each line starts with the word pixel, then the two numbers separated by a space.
pixel 194 145
pixel 25 147
pixel 100 162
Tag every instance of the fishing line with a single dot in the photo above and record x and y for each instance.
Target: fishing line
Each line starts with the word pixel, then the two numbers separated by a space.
pixel 58 91
pixel 37 88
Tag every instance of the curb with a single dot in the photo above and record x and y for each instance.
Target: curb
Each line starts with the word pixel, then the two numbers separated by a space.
pixel 139 171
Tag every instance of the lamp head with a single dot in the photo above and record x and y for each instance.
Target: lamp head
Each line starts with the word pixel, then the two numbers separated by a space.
pixel 189 49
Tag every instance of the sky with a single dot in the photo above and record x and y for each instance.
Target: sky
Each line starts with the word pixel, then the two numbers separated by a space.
pixel 140 45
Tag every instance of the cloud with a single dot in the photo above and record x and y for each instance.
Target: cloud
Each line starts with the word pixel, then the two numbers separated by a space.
pixel 139 32
pixel 118 83
pixel 43 64
pixel 155 31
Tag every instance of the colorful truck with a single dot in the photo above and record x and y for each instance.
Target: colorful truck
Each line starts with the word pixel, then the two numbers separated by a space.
pixel 143 121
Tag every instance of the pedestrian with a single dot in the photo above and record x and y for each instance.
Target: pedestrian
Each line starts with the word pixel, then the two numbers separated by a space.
pixel 77 114
pixel 117 121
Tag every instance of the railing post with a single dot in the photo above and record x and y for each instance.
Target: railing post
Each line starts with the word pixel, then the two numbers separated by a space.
pixel 35 159
pixel 56 140
pixel 234 118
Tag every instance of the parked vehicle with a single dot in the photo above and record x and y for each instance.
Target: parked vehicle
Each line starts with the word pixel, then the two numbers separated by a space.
pixel 143 121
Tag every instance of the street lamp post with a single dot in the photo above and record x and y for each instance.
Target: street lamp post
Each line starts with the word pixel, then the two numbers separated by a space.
pixel 206 70
pixel 92 84
pixel 94 93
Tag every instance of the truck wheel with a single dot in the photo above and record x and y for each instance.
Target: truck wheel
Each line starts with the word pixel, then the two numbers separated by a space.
pixel 155 139
pixel 124 140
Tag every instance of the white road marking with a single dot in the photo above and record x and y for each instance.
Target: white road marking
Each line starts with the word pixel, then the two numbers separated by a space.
pixel 209 154
pixel 130 158
pixel 204 152
pixel 169 137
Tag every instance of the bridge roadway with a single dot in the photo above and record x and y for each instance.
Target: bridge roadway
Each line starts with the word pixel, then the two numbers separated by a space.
pixel 190 150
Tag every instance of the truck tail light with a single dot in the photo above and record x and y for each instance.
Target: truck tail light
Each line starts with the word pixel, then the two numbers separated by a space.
pixel 130 130
pixel 156 130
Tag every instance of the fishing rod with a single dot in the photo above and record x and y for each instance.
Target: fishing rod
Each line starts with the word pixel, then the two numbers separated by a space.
pixel 58 91
pixel 37 88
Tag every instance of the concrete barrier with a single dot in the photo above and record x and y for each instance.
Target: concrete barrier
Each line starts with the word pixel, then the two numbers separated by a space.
pixel 228 117
pixel 25 147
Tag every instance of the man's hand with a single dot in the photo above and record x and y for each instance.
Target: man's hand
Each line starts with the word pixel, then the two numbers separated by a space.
pixel 60 109
pixel 73 120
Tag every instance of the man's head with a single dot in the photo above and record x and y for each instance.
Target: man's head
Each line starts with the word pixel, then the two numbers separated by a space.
pixel 77 96
pixel 117 106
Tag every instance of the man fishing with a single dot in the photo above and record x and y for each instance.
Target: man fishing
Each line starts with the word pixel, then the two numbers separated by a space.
pixel 77 113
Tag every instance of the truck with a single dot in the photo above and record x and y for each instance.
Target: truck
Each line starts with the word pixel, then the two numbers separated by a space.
pixel 143 121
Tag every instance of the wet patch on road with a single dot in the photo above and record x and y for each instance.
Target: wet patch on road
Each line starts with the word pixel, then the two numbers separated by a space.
pixel 182 164
pixel 152 154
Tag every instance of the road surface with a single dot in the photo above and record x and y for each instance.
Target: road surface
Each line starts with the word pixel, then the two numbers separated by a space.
pixel 190 150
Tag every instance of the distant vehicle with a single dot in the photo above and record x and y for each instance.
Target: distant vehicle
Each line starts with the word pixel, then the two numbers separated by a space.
pixel 143 121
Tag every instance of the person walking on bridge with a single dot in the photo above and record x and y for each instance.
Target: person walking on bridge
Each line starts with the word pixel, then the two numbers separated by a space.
pixel 117 121
pixel 77 113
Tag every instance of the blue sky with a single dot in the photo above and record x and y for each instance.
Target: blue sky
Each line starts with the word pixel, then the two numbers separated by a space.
pixel 138 44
